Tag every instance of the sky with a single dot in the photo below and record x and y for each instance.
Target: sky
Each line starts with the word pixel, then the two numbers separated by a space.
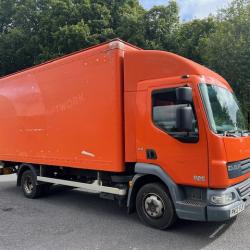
pixel 190 9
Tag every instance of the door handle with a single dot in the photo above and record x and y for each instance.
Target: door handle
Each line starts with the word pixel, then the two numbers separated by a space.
pixel 151 154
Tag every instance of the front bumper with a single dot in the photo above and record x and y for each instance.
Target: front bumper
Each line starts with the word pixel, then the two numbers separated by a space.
pixel 242 200
pixel 206 211
pixel 224 213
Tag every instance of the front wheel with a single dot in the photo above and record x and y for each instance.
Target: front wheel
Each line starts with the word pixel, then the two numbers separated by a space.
pixel 154 206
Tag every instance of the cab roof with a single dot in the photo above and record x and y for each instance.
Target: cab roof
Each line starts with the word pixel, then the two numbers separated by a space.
pixel 151 64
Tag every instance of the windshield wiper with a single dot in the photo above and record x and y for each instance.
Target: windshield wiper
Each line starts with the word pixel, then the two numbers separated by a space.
pixel 245 132
pixel 232 133
pixel 236 133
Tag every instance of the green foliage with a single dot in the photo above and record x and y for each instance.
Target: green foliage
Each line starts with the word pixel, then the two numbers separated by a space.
pixel 33 31
pixel 227 49
pixel 160 26
pixel 191 34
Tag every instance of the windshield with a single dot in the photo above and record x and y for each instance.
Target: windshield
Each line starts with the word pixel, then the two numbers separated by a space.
pixel 222 109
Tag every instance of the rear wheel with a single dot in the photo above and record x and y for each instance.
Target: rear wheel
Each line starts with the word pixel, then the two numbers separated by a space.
pixel 154 206
pixel 29 186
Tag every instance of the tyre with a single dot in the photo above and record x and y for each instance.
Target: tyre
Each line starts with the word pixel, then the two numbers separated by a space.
pixel 28 184
pixel 155 207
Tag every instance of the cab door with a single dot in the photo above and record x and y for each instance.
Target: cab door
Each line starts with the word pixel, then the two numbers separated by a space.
pixel 182 155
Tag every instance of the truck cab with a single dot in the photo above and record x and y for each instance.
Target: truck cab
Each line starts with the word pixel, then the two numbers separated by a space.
pixel 189 123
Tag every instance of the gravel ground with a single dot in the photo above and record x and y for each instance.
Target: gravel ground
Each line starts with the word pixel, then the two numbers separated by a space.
pixel 71 219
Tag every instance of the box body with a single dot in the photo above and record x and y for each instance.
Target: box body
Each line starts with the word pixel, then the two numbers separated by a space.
pixel 67 112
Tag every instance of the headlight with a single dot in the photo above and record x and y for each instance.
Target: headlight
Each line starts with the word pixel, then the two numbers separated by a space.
pixel 222 199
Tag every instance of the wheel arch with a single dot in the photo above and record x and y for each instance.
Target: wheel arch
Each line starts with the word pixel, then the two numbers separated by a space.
pixel 148 173
pixel 23 167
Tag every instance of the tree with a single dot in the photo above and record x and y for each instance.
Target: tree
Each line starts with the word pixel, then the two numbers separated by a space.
pixel 33 31
pixel 127 21
pixel 227 50
pixel 160 26
pixel 190 35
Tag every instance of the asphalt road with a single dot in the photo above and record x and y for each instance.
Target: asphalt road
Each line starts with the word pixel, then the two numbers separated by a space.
pixel 71 219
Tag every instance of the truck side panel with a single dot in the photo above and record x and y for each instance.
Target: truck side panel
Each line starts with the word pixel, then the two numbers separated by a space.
pixel 67 113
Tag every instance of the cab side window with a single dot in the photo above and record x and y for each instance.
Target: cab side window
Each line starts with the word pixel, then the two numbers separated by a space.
pixel 165 110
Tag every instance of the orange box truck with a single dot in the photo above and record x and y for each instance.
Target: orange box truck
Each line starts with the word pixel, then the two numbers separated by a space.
pixel 155 131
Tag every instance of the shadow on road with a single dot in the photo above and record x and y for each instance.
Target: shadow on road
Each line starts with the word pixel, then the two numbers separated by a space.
pixel 185 234
pixel 201 231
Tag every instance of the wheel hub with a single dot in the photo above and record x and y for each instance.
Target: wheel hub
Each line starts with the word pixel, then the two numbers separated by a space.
pixel 154 206
pixel 28 185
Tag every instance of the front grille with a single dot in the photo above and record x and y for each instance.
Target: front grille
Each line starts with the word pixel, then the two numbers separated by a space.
pixel 245 166
pixel 244 188
pixel 239 168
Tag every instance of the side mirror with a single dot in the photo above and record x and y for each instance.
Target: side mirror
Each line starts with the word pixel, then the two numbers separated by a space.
pixel 184 95
pixel 184 122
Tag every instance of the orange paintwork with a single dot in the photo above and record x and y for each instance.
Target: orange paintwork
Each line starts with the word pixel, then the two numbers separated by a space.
pixel 68 112
pixel 182 161
pixel 93 110
pixel 146 71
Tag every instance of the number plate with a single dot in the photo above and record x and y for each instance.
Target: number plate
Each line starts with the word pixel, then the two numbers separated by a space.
pixel 237 210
